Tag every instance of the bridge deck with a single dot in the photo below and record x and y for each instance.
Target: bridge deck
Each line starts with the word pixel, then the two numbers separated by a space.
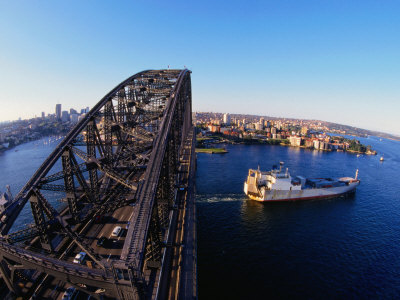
pixel 178 278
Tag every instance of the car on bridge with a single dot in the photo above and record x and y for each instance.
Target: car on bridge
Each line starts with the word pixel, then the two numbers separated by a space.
pixel 116 231
pixel 101 242
pixel 99 219
pixel 80 258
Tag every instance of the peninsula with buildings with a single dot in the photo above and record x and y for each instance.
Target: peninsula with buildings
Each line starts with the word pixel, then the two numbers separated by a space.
pixel 214 128
pixel 14 133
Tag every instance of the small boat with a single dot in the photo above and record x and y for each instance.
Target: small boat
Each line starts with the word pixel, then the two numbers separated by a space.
pixel 276 185
pixel 382 159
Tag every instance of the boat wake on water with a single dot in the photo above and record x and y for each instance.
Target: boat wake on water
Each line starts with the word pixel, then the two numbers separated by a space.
pixel 214 198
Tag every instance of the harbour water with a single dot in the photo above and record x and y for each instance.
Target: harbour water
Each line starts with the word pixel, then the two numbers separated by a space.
pixel 17 165
pixel 346 248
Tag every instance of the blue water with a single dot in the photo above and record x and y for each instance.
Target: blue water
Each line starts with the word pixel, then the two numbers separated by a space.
pixel 17 165
pixel 345 248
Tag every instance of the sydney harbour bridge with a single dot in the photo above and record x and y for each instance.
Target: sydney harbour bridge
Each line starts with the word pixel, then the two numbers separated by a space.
pixel 112 207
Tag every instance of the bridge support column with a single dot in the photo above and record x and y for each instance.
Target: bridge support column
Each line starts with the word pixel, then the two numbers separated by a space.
pixel 153 248
pixel 108 117
pixel 70 184
pixel 38 215
pixel 91 151
pixel 7 277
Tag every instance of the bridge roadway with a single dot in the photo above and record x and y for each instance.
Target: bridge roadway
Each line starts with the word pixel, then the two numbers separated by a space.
pixel 180 257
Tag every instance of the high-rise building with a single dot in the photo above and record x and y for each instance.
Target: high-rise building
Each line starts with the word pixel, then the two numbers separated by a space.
pixel 43 115
pixel 72 111
pixel 65 116
pixel 58 112
pixel 227 119
pixel 74 118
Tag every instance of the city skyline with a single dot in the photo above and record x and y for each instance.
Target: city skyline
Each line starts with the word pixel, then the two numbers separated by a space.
pixel 86 109
pixel 336 62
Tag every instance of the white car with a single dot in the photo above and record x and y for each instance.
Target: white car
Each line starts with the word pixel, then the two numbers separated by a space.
pixel 80 257
pixel 116 231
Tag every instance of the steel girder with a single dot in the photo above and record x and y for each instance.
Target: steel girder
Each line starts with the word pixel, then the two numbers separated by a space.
pixel 142 248
pixel 131 140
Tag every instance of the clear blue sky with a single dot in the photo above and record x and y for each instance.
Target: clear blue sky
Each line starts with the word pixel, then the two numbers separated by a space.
pixel 333 60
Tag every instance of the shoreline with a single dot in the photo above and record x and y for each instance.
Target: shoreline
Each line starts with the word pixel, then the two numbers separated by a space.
pixel 4 150
pixel 283 145
pixel 211 150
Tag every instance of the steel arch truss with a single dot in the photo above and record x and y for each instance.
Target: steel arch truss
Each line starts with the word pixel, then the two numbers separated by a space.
pixel 125 151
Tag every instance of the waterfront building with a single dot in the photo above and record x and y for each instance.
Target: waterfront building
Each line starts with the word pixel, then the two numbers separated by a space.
pixel 308 143
pixel 295 141
pixel 322 145
pixel 335 146
pixel 316 144
pixel 227 119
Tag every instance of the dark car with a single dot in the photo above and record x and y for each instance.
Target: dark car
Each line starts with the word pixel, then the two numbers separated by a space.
pixel 101 242
pixel 69 293
pixel 99 219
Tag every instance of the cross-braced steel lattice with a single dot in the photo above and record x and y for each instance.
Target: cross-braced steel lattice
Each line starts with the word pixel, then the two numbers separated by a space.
pixel 122 155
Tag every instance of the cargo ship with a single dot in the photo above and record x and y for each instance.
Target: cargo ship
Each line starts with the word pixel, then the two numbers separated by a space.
pixel 278 185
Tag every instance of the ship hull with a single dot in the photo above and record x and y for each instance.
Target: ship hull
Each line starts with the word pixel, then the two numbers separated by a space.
pixel 298 195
